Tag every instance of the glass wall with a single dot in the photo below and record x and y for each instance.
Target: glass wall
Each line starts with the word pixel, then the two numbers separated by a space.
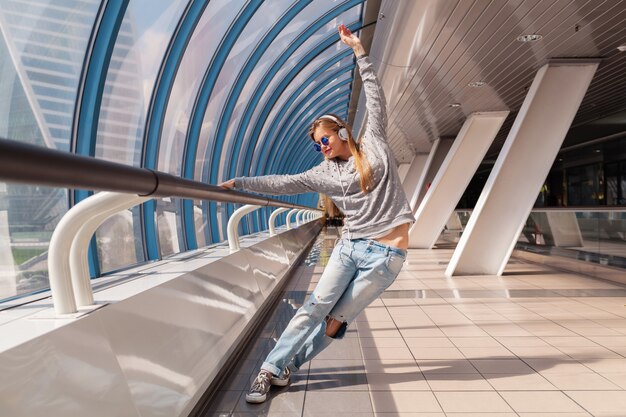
pixel 42 48
pixel 233 76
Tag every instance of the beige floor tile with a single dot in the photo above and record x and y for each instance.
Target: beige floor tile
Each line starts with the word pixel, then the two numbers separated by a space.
pixel 517 382
pixel 457 382
pixel 422 332
pixel 521 341
pixel 472 342
pixel 280 400
pixel 537 352
pixel 318 402
pixel 618 379
pixel 556 365
pixel 409 415
pixel 569 341
pixel 474 402
pixel 429 342
pixel 540 401
pixel 460 366
pixel 386 353
pixel 407 381
pixel 404 402
pixel 600 401
pixel 581 381
pixel 464 331
pixel 481 415
pixel 584 352
pixel 606 365
pixel 390 366
pixel 382 342
pixel 544 414
pixel 486 352
pixel 610 341
pixel 436 353
pixel 505 329
pixel 502 366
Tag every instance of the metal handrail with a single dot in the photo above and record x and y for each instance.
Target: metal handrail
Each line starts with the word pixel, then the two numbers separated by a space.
pixel 30 164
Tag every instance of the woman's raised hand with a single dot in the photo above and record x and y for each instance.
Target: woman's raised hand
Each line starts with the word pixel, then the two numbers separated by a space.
pixel 229 185
pixel 351 40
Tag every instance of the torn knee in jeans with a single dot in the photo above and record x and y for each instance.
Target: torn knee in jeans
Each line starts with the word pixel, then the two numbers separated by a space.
pixel 334 327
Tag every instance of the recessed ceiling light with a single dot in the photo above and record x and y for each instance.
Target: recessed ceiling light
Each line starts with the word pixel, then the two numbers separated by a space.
pixel 622 48
pixel 529 38
pixel 476 84
pixel 454 105
pixel 598 151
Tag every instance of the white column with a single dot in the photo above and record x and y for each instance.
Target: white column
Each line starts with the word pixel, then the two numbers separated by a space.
pixel 438 154
pixel 403 169
pixel 456 171
pixel 414 175
pixel 522 166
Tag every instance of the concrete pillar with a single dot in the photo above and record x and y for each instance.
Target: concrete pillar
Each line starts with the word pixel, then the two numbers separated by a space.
pixel 403 169
pixel 440 150
pixel 414 175
pixel 522 166
pixel 456 171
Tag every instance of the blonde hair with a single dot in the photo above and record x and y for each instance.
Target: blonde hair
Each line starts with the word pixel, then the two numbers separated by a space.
pixel 361 163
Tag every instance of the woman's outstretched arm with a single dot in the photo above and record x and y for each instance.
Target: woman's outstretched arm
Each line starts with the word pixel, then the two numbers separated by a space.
pixel 305 182
pixel 374 97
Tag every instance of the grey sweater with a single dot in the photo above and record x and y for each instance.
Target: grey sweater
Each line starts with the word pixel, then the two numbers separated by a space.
pixel 370 215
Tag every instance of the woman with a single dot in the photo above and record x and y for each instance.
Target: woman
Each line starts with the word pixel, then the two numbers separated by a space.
pixel 363 181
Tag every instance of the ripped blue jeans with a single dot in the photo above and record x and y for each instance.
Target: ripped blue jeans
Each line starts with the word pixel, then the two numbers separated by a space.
pixel 357 272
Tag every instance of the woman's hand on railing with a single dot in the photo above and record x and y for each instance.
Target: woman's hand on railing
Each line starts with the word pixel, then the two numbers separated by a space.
pixel 229 185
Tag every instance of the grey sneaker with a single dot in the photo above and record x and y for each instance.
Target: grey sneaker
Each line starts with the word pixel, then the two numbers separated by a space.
pixel 260 387
pixel 284 381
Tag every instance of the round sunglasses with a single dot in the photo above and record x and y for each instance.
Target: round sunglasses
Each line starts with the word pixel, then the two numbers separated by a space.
pixel 324 142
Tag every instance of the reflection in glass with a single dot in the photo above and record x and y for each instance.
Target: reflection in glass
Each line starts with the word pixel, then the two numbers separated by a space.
pixel 42 48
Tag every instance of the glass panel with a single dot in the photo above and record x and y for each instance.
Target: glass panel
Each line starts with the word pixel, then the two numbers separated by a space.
pixel 297 118
pixel 211 29
pixel 119 240
pixel 307 16
pixel 167 213
pixel 42 48
pixel 28 216
pixel 144 36
pixel 269 131
pixel 237 59
pixel 593 236
pixel 202 46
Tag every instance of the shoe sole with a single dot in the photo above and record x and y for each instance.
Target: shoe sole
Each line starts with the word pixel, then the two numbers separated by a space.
pixel 279 382
pixel 256 399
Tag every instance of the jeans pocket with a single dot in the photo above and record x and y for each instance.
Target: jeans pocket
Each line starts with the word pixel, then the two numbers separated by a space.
pixel 394 263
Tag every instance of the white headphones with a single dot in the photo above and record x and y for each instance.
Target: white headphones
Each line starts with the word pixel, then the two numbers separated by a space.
pixel 343 132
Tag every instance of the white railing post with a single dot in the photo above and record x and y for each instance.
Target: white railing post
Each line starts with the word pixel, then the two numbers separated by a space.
pixel 299 217
pixel 289 215
pixel 233 223
pixel 109 204
pixel 272 220
pixel 67 287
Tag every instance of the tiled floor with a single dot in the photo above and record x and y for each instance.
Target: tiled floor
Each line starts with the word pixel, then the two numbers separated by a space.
pixel 534 342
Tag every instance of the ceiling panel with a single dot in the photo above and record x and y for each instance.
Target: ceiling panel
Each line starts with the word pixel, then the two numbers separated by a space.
pixel 446 44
